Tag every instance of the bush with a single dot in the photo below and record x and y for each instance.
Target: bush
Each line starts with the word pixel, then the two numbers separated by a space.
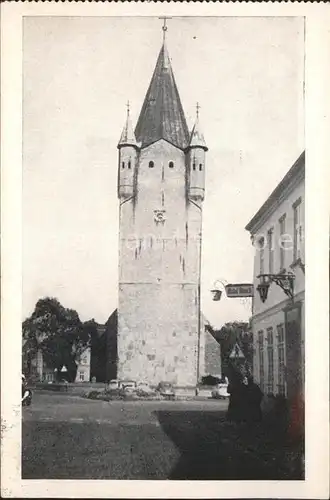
pixel 144 394
pixel 112 392
pixel 210 380
pixel 117 394
pixel 93 395
pixel 104 395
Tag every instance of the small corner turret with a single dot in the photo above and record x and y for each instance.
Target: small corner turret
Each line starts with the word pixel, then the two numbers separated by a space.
pixel 127 159
pixel 196 162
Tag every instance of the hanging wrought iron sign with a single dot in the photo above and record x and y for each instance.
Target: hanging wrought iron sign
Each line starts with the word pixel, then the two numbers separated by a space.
pixel 239 290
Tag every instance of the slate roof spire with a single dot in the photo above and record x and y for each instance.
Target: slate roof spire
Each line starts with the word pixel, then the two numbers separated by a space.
pixel 127 137
pixel 162 115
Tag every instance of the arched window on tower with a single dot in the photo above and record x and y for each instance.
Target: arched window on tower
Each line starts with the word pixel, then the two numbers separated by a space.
pixel 129 164
pixel 171 164
pixel 200 166
pixel 151 164
pixel 123 165
pixel 194 166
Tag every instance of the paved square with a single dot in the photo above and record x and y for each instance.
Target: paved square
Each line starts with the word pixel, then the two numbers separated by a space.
pixel 68 437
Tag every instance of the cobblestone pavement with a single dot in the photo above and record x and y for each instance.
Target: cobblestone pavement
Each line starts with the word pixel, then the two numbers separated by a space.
pixel 66 436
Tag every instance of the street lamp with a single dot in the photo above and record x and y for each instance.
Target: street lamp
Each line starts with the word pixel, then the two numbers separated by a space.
pixel 216 292
pixel 284 281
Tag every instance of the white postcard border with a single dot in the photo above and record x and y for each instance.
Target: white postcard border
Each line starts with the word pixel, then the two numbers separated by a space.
pixel 317 254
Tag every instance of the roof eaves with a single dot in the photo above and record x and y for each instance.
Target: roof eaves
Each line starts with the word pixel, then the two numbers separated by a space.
pixel 297 168
pixel 153 141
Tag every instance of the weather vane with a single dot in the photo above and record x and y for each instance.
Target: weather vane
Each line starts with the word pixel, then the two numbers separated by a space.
pixel 197 109
pixel 127 105
pixel 164 27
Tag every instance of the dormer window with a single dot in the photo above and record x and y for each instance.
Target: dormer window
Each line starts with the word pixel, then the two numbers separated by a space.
pixel 129 164
pixel 151 164
pixel 200 166
pixel 171 164
pixel 123 165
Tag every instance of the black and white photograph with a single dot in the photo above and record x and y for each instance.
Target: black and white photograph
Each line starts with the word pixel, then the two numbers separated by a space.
pixel 163 233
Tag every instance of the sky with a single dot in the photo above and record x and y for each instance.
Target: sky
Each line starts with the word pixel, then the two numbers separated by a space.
pixel 79 72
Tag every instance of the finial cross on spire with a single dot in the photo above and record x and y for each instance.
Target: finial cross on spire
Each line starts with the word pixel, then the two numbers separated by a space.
pixel 164 27
pixel 127 105
pixel 197 109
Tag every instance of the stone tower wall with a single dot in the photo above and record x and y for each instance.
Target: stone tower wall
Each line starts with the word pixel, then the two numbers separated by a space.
pixel 159 272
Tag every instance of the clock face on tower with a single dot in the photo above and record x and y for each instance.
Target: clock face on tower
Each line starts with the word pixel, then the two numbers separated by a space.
pixel 159 216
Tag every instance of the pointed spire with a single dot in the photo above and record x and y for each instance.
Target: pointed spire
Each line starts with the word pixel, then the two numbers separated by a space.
pixel 197 138
pixel 127 137
pixel 162 115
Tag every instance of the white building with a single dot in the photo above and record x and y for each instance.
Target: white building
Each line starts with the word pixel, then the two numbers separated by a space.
pixel 84 366
pixel 277 232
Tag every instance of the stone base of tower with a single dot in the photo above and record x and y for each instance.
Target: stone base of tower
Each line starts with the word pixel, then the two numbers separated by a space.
pixel 158 334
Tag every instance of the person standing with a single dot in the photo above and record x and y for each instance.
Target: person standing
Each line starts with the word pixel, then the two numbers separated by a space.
pixel 237 390
pixel 253 400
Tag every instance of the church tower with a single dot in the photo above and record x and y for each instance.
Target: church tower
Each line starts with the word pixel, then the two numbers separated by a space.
pixel 161 174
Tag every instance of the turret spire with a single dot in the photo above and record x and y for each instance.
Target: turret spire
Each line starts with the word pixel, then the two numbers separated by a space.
pixel 127 137
pixel 197 138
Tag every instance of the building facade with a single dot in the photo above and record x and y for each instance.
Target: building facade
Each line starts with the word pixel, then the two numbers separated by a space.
pixel 84 366
pixel 277 233
pixel 38 370
pixel 161 189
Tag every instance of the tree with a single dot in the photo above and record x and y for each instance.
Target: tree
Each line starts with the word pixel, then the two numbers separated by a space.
pixel 90 327
pixel 231 333
pixel 99 351
pixel 58 333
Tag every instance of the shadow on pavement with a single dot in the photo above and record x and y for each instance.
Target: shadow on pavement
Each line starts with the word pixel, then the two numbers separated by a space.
pixel 211 448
